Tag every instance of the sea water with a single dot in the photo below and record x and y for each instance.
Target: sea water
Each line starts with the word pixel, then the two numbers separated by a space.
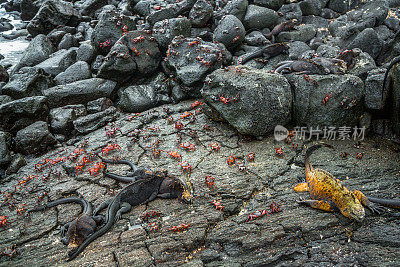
pixel 12 50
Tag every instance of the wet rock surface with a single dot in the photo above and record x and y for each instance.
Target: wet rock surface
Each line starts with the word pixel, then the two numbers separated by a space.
pixel 214 236
pixel 163 83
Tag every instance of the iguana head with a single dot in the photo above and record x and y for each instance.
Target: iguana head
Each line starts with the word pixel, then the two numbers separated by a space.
pixel 353 210
pixel 178 187
pixel 79 230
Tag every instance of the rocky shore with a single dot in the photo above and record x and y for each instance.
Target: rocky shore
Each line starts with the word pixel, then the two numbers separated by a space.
pixel 197 87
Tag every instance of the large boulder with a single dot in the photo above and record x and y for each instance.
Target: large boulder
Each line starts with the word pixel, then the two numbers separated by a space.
pixel 257 100
pixel 374 89
pixel 343 96
pixel 160 10
pixel 28 81
pixel 29 8
pixel 79 92
pixel 59 61
pixel 395 96
pixel 201 12
pixel 259 17
pixel 39 49
pixel 51 14
pixel 20 113
pixel 237 8
pixel 164 31
pixel 4 76
pixel 61 119
pixel 76 72
pixel 303 33
pixel 368 41
pixel 34 139
pixel 200 59
pixel 109 30
pixel 135 54
pixel 230 32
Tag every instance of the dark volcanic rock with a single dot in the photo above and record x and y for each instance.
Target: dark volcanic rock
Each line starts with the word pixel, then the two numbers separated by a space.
pixel 141 97
pixel 368 41
pixel 230 32
pixel 94 121
pixel 374 89
pixel 85 53
pixel 59 61
pixel 311 7
pixel 344 107
pixel 201 12
pixel 302 33
pixel 135 54
pixel 168 9
pixel 4 77
pixel 291 11
pixel 395 95
pixel 5 142
pixel 109 29
pixel 29 8
pixel 20 113
pixel 61 119
pixel 99 105
pixel 76 72
pixel 264 100
pixel 5 99
pixel 259 17
pixel 39 49
pixel 202 58
pixel 164 31
pixel 364 63
pixel 28 81
pixel 79 92
pixel 255 38
pixel 89 7
pixel 34 139
pixel 272 4
pixel 51 14
pixel 17 162
pixel 237 8
pixel 67 42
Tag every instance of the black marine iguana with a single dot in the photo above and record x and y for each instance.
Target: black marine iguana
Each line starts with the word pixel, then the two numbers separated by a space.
pixel 266 51
pixel 145 188
pixel 76 231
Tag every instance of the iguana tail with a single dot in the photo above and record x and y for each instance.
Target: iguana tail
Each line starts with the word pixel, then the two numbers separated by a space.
pixel 309 151
pixel 391 203
pixel 87 207
pixel 119 161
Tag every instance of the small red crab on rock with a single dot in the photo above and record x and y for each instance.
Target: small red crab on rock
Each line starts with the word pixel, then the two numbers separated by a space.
pixel 154 227
pixel 150 214
pixel 179 125
pixel 188 146
pixel 3 221
pixel 179 228
pixel 251 156
pixel 210 182
pixel 109 148
pixel 214 147
pixel 218 205
pixel 231 160
pixel 97 167
pixel 175 155
pixel 185 167
pixel 279 152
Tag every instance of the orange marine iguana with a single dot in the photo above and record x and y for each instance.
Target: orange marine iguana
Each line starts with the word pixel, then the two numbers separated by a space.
pixel 329 194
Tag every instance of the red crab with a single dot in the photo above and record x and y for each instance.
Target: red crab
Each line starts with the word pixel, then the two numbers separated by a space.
pixel 326 98
pixel 214 147
pixel 150 214
pixel 218 205
pixel 195 104
pixel 185 167
pixel 188 146
pixel 110 147
pixel 97 167
pixel 210 182
pixel 3 221
pixel 179 125
pixel 251 156
pixel 279 152
pixel 359 155
pixel 231 160
pixel 175 155
pixel 181 227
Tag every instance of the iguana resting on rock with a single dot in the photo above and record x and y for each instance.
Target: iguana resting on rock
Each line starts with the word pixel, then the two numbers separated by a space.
pixel 318 65
pixel 145 188
pixel 329 194
pixel 268 51
pixel 76 231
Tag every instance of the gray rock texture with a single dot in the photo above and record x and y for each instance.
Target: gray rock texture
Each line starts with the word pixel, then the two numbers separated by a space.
pixel 259 101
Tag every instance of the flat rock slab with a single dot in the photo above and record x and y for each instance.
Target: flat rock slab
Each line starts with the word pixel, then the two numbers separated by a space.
pixel 298 235
pixel 79 92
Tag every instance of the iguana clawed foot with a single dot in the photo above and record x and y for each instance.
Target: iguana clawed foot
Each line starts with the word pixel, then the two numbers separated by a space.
pixel 376 208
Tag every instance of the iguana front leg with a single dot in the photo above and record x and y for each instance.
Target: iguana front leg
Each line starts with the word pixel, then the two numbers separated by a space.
pixel 302 187
pixel 125 207
pixel 102 207
pixel 373 207
pixel 64 228
pixel 317 204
